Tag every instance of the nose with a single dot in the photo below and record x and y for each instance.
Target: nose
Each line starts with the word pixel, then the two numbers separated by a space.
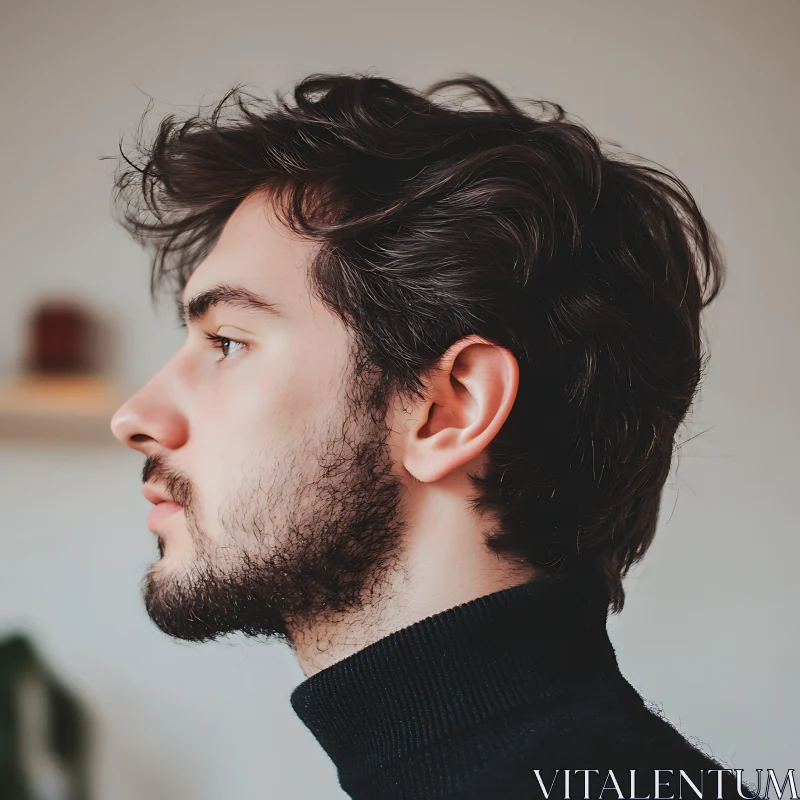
pixel 151 420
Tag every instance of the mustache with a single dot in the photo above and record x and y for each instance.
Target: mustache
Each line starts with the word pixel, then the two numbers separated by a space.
pixel 175 485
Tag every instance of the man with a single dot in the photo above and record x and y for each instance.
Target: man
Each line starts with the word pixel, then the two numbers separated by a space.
pixel 436 358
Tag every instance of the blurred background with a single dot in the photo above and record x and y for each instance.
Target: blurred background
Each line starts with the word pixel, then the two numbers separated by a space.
pixel 709 632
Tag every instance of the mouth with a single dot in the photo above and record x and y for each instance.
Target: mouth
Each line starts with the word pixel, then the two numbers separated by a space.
pixel 163 507
pixel 161 511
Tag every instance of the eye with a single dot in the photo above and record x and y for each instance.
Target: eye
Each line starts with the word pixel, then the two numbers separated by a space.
pixel 224 344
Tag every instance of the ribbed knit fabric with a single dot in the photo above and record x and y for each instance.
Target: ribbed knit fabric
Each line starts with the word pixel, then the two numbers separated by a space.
pixel 468 702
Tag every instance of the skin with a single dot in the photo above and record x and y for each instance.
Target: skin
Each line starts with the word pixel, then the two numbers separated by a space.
pixel 309 513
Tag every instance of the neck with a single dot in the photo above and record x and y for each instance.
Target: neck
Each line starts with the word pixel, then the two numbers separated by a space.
pixel 444 563
pixel 418 695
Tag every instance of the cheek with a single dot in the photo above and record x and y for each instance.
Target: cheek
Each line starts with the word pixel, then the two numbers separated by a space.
pixel 250 416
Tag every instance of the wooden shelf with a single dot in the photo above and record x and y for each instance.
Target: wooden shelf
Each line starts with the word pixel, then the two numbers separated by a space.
pixel 57 407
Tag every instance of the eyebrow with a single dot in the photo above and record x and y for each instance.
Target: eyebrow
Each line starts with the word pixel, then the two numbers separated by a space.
pixel 223 295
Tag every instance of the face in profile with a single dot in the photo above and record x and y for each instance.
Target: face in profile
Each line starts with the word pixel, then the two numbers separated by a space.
pixel 274 447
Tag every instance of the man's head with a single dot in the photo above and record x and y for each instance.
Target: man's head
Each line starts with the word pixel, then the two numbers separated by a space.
pixel 380 237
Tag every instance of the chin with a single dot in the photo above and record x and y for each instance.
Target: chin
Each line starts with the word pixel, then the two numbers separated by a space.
pixel 167 563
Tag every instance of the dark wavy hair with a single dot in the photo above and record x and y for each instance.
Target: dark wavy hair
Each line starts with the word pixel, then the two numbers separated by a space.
pixel 435 221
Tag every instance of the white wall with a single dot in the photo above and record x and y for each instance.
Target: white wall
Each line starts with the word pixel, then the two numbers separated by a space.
pixel 707 89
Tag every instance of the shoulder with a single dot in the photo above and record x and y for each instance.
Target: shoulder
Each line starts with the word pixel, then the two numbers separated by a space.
pixel 603 753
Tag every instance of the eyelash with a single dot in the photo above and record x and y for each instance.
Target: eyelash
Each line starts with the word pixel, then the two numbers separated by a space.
pixel 218 343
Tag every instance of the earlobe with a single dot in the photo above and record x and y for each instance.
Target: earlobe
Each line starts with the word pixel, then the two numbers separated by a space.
pixel 468 399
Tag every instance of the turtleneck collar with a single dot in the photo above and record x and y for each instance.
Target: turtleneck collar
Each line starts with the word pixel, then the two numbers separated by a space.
pixel 457 670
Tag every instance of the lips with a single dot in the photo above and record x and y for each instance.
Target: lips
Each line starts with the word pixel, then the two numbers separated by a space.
pixel 161 511
pixel 163 507
pixel 152 495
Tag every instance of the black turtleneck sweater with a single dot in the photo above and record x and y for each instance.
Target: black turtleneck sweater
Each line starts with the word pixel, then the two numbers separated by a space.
pixel 470 702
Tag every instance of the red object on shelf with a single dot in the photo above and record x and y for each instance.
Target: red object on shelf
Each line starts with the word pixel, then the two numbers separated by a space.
pixel 60 338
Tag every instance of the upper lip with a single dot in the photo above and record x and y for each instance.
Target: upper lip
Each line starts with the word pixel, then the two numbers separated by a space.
pixel 154 496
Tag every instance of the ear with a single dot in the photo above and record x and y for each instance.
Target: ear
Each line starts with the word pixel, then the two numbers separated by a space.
pixel 468 398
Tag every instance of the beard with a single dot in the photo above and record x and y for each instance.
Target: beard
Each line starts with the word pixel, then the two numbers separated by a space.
pixel 307 543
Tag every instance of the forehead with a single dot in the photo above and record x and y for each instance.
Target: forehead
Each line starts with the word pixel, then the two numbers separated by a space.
pixel 255 250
